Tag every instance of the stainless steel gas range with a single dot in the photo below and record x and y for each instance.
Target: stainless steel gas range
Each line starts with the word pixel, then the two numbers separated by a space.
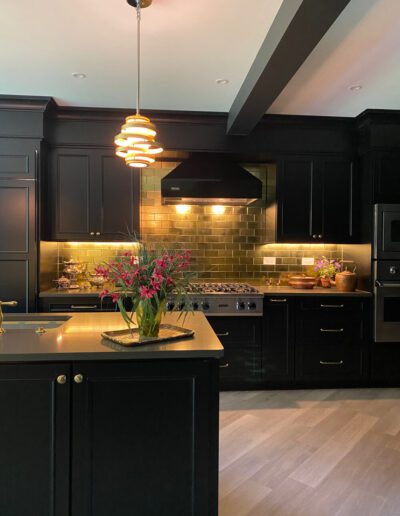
pixel 230 299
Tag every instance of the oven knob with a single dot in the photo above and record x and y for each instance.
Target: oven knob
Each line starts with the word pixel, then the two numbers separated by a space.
pixel 240 305
pixel 170 306
pixel 205 305
pixel 195 306
pixel 251 305
pixel 393 270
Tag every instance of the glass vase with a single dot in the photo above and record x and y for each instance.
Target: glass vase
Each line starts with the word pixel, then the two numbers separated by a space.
pixel 148 318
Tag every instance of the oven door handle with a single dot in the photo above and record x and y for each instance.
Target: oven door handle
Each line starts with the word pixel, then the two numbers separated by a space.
pixel 391 284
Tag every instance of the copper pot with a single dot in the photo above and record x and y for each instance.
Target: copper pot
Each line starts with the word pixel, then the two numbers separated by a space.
pixel 302 281
pixel 346 281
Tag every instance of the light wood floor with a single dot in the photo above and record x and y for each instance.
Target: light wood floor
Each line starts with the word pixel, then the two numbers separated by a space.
pixel 310 453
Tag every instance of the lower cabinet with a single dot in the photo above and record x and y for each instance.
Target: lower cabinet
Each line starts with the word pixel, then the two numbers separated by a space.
pixel 315 341
pixel 278 345
pixel 241 366
pixel 385 360
pixel 332 341
pixel 34 440
pixel 101 438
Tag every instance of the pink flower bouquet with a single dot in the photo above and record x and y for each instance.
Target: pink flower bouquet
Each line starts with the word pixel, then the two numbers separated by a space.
pixel 147 279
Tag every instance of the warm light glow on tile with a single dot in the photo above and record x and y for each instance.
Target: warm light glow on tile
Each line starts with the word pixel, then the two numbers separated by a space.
pixel 301 246
pixel 101 244
pixel 218 210
pixel 182 209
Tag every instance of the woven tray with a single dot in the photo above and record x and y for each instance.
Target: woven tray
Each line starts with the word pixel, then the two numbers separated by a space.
pixel 131 337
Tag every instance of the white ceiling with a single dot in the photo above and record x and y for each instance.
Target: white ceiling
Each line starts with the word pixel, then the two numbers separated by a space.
pixel 361 48
pixel 186 46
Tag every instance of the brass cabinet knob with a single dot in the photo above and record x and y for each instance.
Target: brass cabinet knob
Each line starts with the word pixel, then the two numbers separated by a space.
pixel 61 379
pixel 92 233
pixel 97 233
pixel 78 378
pixel 319 236
pixel 314 236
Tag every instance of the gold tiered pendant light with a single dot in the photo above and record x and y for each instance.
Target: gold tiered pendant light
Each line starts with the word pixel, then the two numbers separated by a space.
pixel 136 142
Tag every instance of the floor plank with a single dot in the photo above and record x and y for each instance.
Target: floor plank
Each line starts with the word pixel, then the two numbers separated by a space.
pixel 310 453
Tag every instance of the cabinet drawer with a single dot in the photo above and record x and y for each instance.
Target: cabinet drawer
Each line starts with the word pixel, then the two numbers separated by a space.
pixel 243 329
pixel 331 305
pixel 329 362
pixel 332 330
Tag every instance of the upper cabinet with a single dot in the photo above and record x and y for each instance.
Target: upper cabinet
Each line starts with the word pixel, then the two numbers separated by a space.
pixel 19 171
pixel 386 176
pixel 93 195
pixel 314 201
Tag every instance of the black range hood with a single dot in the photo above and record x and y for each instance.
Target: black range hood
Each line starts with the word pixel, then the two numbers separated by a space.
pixel 207 178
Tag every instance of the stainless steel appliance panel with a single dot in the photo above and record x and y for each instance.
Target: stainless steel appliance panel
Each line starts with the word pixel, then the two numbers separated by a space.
pixel 386 231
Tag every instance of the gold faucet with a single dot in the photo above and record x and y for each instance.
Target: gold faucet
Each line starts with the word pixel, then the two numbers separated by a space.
pixel 5 303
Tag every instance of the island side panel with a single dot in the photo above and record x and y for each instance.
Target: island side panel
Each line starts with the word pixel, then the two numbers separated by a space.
pixel 145 438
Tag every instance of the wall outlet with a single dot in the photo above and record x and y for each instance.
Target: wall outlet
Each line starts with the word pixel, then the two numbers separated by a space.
pixel 307 261
pixel 269 260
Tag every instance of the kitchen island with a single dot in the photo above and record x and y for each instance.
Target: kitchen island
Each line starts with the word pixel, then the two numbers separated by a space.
pixel 91 430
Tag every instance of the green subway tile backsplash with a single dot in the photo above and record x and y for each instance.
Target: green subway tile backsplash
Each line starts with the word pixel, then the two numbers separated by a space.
pixel 229 246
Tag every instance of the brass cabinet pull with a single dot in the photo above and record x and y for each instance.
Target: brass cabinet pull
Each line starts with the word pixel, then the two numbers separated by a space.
pixel 320 236
pixel 61 379
pixel 281 300
pixel 332 306
pixel 332 330
pixel 223 366
pixel 222 334
pixel 82 307
pixel 91 233
pixel 323 362
pixel 78 378
pixel 97 233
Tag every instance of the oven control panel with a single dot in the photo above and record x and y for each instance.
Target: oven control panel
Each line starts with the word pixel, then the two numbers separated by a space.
pixel 222 304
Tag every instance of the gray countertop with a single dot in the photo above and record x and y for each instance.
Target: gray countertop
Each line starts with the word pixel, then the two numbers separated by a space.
pixel 316 291
pixel 79 338
pixel 73 293
pixel 273 291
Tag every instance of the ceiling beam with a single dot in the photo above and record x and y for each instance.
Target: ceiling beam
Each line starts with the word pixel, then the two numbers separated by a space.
pixel 297 29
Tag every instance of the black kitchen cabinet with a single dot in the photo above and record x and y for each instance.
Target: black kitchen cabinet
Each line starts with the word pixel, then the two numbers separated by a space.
pixel 278 343
pixel 19 162
pixel 60 303
pixel 386 177
pixel 332 341
pixel 93 195
pixel 34 440
pixel 110 437
pixel 241 367
pixel 314 200
pixel 385 360
pixel 143 438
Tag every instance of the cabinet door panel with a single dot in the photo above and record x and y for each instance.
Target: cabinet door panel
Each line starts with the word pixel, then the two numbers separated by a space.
pixel 18 273
pixel 277 340
pixel 14 218
pixel 294 198
pixel 34 440
pixel 17 158
pixel 387 177
pixel 72 195
pixel 241 365
pixel 337 201
pixel 141 436
pixel 120 198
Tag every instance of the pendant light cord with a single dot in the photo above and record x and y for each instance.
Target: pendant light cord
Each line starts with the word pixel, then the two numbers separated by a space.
pixel 138 16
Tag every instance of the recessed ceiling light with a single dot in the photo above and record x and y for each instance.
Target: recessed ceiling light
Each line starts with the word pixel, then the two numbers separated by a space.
pixel 356 87
pixel 78 75
pixel 222 81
